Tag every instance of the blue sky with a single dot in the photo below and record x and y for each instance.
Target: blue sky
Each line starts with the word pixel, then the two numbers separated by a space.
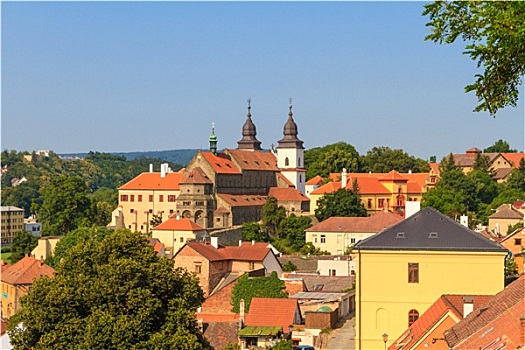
pixel 144 76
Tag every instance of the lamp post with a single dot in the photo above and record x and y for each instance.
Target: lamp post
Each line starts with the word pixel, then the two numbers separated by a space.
pixel 385 339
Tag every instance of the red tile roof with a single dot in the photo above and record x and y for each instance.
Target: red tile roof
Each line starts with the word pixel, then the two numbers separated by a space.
pixel 196 176
pixel 242 200
pixel 225 317
pixel 153 181
pixel 374 223
pixel 494 308
pixel 393 176
pixel 506 211
pixel 514 158
pixel 327 188
pixel 221 163
pixel 287 195
pixel 272 312
pixel 173 224
pixel 245 252
pixel 317 180
pixel 254 160
pixel 25 271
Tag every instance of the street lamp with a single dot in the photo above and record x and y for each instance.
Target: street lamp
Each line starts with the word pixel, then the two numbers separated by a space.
pixel 385 339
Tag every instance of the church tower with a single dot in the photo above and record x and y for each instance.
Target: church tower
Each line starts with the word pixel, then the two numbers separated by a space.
pixel 213 140
pixel 249 140
pixel 290 154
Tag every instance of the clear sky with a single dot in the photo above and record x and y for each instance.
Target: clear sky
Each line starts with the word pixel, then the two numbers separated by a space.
pixel 146 76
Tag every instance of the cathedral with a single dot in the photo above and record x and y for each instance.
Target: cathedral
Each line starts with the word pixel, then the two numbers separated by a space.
pixel 221 189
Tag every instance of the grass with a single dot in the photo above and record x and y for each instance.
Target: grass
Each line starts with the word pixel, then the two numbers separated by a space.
pixel 6 257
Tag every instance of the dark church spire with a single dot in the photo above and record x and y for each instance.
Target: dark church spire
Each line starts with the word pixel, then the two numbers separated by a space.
pixel 249 140
pixel 290 132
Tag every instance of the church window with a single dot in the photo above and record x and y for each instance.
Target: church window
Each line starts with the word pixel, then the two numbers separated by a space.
pixel 286 161
pixel 299 161
pixel 413 315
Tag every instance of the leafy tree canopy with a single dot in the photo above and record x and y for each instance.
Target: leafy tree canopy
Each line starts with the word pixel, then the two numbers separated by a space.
pixel 343 202
pixel 113 293
pixel 23 243
pixel 495 36
pixel 384 159
pixel 251 231
pixel 292 233
pixel 331 159
pixel 310 249
pixel 256 287
pixel 272 215
pixel 500 146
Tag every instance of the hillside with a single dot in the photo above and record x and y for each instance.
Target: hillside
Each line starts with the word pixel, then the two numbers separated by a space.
pixel 177 156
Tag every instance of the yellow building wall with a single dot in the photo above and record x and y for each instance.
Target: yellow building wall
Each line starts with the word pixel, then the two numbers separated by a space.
pixel 384 297
pixel 173 240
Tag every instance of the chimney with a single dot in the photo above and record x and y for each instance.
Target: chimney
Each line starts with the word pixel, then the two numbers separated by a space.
pixel 410 171
pixel 241 312
pixel 163 168
pixel 468 305
pixel 343 178
pixel 214 242
pixel 253 242
pixel 150 168
pixel 240 242
pixel 41 260
pixel 463 220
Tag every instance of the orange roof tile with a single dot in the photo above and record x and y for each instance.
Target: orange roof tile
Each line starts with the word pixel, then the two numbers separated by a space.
pixel 245 252
pixel 196 176
pixel 242 200
pixel 287 194
pixel 282 312
pixel 26 270
pixel 254 160
pixel 173 224
pixel 153 181
pixel 514 158
pixel 368 185
pixel 317 180
pixel 327 188
pixel 221 163
pixel 393 176
pixel 226 317
pixel 374 223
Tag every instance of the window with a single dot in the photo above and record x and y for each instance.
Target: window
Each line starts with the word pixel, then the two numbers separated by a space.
pixel 182 239
pixel 198 268
pixel 369 203
pixel 331 272
pixel 123 197
pixel 352 240
pixel 139 198
pixel 517 241
pixel 132 198
pixel 413 273
pixel 381 203
pixel 252 265
pixel 413 315
pixel 323 238
pixel 186 203
pixel 199 203
pixel 286 161
pixel 161 198
pixel 171 198
pixel 299 161
pixel 315 238
pixel 150 198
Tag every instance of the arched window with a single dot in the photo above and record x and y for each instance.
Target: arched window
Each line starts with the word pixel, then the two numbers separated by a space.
pixel 413 315
pixel 286 161
pixel 299 161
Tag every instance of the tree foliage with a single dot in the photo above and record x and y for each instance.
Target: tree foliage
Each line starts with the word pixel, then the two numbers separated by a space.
pixel 331 159
pixel 384 159
pixel 500 146
pixel 310 249
pixel 251 231
pixel 113 293
pixel 289 266
pixel 292 233
pixel 256 287
pixel 343 202
pixel 23 243
pixel 495 36
pixel 272 215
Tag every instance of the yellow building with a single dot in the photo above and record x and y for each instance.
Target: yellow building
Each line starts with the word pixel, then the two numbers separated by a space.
pixel 12 222
pixel 379 191
pixel 402 270
pixel 175 232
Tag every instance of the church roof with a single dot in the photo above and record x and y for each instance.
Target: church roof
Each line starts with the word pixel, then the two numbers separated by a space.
pixel 290 132
pixel 221 163
pixel 249 134
pixel 154 181
pixel 256 160
pixel 196 176
pixel 242 200
pixel 429 230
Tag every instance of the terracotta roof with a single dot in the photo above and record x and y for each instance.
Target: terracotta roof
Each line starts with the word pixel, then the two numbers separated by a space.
pixel 153 181
pixel 374 223
pixel 414 187
pixel 473 150
pixel 4 266
pixel 467 160
pixel 505 211
pixel 26 270
pixel 245 252
pixel 368 185
pixel 327 188
pixel 514 158
pixel 287 195
pixel 434 167
pixel 285 179
pixel 242 200
pixel 221 163
pixel 220 333
pixel 317 180
pixel 196 176
pixel 495 307
pixel 224 317
pixel 393 176
pixel 434 315
pixel 173 224
pixel 282 312
pixel 254 160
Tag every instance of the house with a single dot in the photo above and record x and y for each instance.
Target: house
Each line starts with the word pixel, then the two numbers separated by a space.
pixel 175 232
pixel 263 328
pixel 12 222
pixel 338 234
pixel 219 329
pixel 32 225
pixel 497 324
pixel 466 160
pixel 342 302
pixel 404 269
pixel 379 192
pixel 219 189
pixel 506 215
pixel 313 184
pixel 427 331
pixel 17 281
pixel 212 262
pixel 293 201
pixel 45 247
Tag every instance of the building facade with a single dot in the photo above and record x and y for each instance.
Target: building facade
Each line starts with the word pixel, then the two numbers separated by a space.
pixel 12 222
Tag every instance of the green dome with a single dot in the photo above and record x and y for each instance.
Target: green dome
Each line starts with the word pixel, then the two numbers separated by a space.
pixel 324 309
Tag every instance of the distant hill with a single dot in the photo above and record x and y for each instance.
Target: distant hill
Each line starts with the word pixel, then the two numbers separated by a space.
pixel 179 156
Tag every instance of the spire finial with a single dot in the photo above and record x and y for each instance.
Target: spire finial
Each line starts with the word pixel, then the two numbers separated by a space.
pixel 213 127
pixel 290 113
pixel 249 107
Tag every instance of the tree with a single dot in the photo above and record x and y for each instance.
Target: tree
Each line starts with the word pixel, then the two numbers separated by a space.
pixel 113 293
pixel 384 159
pixel 292 232
pixel 331 159
pixel 283 345
pixel 511 269
pixel 272 215
pixel 495 36
pixel 481 162
pixel 447 201
pixel 310 249
pixel 500 146
pixel 289 266
pixel 66 205
pixel 251 231
pixel 156 220
pixel 343 202
pixel 23 243
pixel 256 287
